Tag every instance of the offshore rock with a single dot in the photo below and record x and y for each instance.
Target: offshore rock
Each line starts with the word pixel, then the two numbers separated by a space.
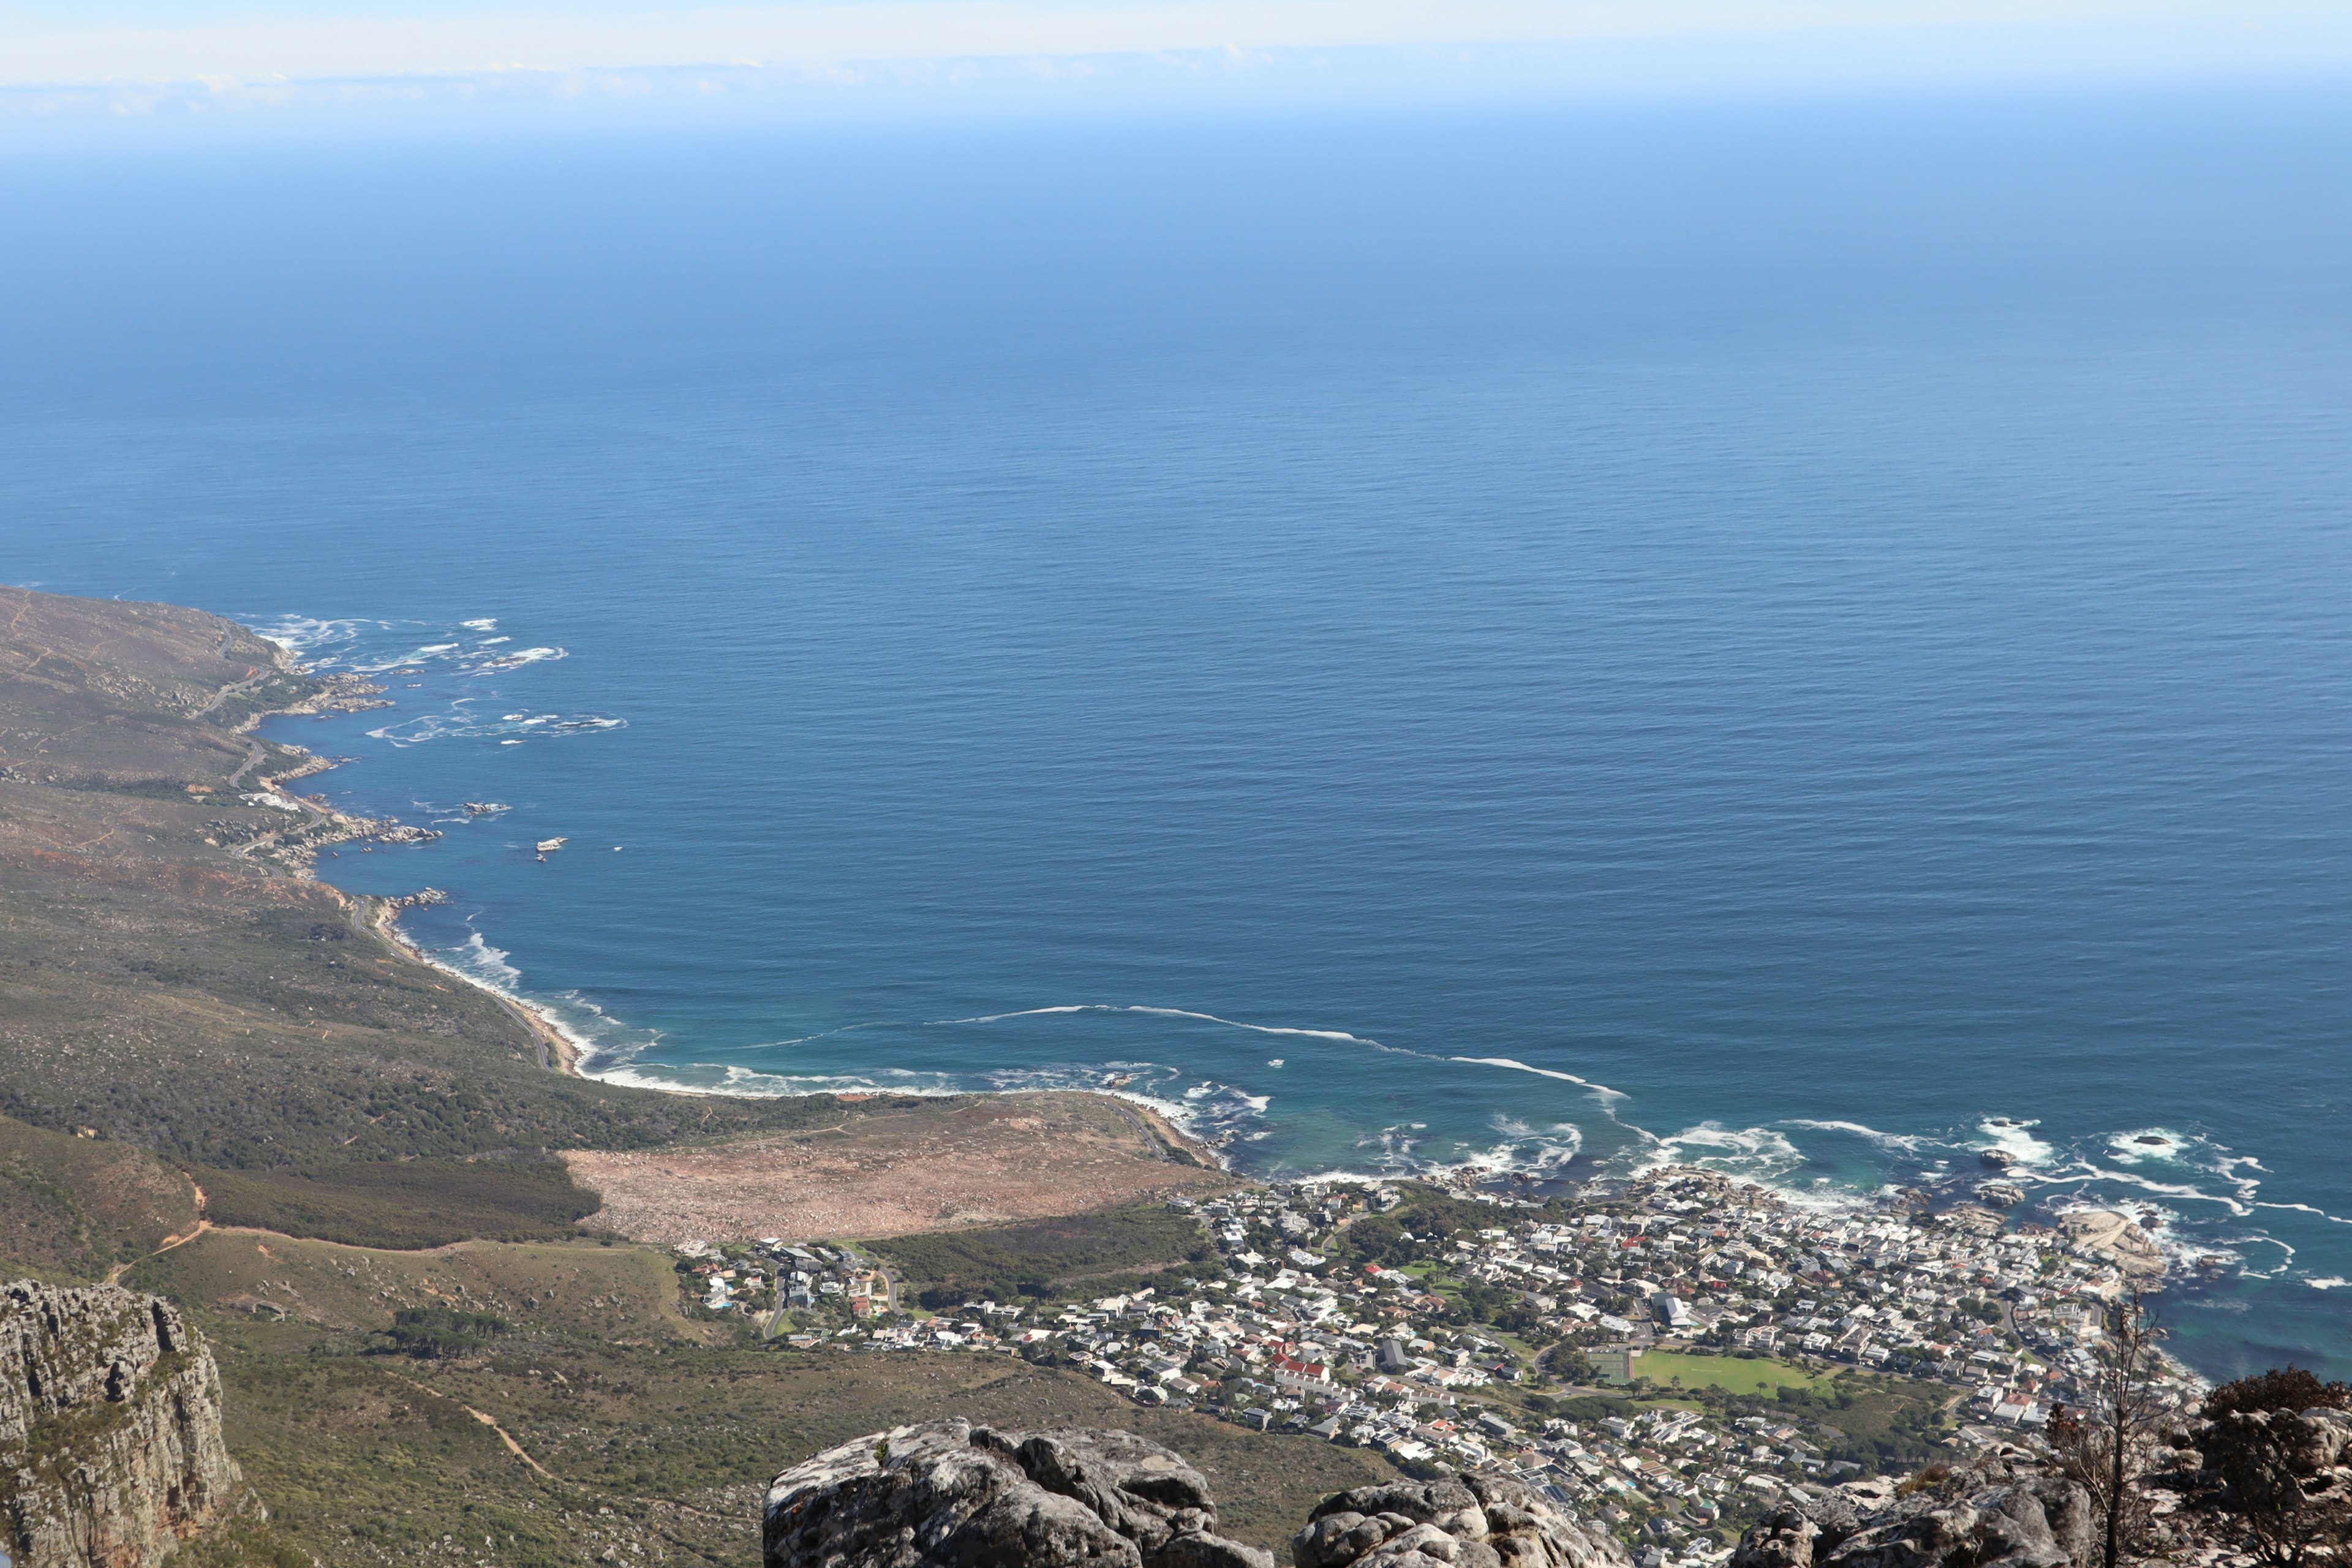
pixel 110 1450
pixel 1473 1520
pixel 948 1494
pixel 1993 1518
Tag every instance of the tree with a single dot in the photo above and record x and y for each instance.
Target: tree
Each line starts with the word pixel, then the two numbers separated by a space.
pixel 2269 1441
pixel 2107 1444
pixel 2281 1388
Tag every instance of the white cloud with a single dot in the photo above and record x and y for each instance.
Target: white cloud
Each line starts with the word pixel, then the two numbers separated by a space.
pixel 751 49
pixel 351 45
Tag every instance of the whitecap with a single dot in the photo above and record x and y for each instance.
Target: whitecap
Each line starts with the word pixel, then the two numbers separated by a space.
pixel 2085 1171
pixel 486 964
pixel 1600 1090
pixel 497 664
pixel 305 635
pixel 2131 1147
pixel 2015 1138
pixel 1901 1142
pixel 458 723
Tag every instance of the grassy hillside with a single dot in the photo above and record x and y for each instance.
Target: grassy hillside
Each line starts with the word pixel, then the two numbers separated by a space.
pixel 370 1457
pixel 1090 1255
pixel 404 1204
pixel 70 1208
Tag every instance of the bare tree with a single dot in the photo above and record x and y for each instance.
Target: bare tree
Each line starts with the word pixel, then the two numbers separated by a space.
pixel 2107 1443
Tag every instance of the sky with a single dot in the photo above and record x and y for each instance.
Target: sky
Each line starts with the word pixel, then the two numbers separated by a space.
pixel 292 67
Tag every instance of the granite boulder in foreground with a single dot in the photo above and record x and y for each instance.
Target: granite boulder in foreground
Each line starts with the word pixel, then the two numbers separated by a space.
pixel 111 1448
pixel 1993 1517
pixel 1472 1521
pixel 948 1494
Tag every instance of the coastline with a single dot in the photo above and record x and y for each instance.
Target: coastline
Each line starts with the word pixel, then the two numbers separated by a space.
pixel 560 1049
pixel 558 1052
pixel 564 1049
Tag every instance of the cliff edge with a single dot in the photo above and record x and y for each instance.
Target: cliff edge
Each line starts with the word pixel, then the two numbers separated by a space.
pixel 111 1448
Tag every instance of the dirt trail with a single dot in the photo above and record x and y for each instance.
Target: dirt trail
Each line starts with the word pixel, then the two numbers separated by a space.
pixel 504 1435
pixel 114 1275
pixel 517 1450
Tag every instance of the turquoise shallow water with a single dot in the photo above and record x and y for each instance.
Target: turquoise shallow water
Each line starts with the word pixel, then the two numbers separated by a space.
pixel 1808 641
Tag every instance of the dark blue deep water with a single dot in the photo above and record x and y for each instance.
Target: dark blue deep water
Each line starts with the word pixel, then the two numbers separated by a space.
pixel 1771 635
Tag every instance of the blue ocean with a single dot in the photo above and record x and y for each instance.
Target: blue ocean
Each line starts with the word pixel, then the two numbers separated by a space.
pixel 1810 638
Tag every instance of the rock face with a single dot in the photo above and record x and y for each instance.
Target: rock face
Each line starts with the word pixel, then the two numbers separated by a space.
pixel 1989 1519
pixel 110 1450
pixel 948 1494
pixel 1473 1521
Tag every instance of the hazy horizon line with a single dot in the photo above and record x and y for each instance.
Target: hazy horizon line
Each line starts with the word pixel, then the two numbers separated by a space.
pixel 925 57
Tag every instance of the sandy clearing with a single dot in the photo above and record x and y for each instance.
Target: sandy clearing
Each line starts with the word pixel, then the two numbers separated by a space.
pixel 931 1167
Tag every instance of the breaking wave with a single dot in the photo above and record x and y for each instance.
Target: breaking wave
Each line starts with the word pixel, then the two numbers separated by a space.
pixel 2161 1176
pixel 1601 1091
pixel 595 1035
pixel 1898 1142
pixel 404 657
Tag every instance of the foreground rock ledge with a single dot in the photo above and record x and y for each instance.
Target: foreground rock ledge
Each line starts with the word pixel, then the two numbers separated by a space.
pixel 1473 1521
pixel 948 1494
pixel 1995 1515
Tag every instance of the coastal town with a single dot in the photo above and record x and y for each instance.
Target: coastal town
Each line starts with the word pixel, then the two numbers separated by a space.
pixel 1670 1356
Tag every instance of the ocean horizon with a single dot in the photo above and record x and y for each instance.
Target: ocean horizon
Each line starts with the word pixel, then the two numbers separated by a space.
pixel 1808 640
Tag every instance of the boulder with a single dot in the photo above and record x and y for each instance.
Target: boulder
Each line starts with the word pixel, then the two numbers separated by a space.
pixel 2310 1441
pixel 1993 1518
pixel 1473 1520
pixel 1781 1539
pixel 948 1494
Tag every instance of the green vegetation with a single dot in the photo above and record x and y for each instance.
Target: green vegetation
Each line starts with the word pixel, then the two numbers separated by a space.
pixel 1733 1374
pixel 674 1428
pixel 1583 1407
pixel 403 1204
pixel 1428 1212
pixel 72 1207
pixel 1878 1422
pixel 440 1333
pixel 1108 1253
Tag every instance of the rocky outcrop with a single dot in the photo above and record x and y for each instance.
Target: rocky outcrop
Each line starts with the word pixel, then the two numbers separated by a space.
pixel 2309 1441
pixel 1991 1518
pixel 948 1494
pixel 2117 1238
pixel 110 1449
pixel 1473 1521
